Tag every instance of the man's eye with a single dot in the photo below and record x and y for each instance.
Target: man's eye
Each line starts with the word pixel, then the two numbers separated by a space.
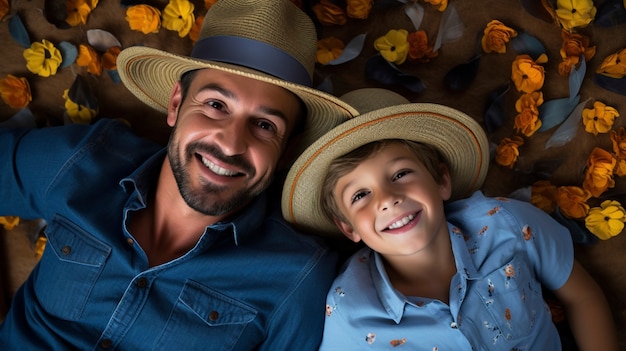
pixel 266 125
pixel 216 105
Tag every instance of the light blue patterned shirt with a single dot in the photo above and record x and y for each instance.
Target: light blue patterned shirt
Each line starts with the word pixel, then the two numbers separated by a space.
pixel 505 250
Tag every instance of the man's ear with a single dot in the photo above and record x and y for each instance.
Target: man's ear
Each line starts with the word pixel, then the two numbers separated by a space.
pixel 347 230
pixel 172 108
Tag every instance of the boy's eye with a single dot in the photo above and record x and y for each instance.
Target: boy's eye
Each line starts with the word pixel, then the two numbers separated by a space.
pixel 400 174
pixel 358 196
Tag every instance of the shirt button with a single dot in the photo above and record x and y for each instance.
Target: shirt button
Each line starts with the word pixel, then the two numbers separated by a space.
pixel 142 283
pixel 130 241
pixel 66 250
pixel 106 343
pixel 214 315
pixel 453 325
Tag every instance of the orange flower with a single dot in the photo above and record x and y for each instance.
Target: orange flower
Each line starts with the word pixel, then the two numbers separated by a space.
pixel 109 58
pixel 419 51
pixel 4 8
pixel 9 222
pixel 209 3
pixel 572 201
pixel 527 121
pixel 328 49
pixel 543 195
pixel 359 9
pixel 527 75
pixel 194 33
pixel 144 18
pixel 443 4
pixel 614 65
pixel 495 37
pixel 599 174
pixel 620 168
pixel 15 91
pixel 508 151
pixel 329 14
pixel 574 46
pixel 619 143
pixel 599 119
pixel 88 57
pixel 77 12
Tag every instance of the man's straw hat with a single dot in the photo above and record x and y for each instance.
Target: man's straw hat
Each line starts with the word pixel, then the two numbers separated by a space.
pixel 385 115
pixel 268 40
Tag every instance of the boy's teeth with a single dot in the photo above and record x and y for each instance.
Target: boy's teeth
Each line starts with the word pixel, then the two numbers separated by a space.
pixel 401 222
pixel 217 169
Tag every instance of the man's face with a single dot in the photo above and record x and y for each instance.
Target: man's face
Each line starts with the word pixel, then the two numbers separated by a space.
pixel 229 134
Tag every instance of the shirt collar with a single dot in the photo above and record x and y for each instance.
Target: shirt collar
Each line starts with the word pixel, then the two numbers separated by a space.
pixel 142 181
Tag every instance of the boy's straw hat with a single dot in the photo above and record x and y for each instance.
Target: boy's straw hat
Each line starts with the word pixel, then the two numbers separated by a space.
pixel 268 40
pixel 385 115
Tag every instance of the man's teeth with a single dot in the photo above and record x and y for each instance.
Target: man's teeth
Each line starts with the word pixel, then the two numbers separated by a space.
pixel 401 222
pixel 217 169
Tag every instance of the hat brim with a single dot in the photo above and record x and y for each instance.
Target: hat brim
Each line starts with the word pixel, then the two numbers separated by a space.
pixel 459 138
pixel 150 74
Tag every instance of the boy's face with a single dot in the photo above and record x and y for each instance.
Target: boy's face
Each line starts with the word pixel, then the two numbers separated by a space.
pixel 392 202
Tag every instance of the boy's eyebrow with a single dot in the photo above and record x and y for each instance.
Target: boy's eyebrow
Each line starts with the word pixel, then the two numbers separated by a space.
pixel 230 95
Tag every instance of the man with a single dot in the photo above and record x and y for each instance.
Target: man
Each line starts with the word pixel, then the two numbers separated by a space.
pixel 178 248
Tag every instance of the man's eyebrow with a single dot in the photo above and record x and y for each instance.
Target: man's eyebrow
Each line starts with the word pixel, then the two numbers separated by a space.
pixel 229 94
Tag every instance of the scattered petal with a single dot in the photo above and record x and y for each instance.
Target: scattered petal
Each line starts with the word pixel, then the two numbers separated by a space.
pixel 69 53
pixel 55 12
pixel 616 85
pixel 567 130
pixel 415 12
pixel 102 40
pixel 18 31
pixel 450 28
pixel 351 51
pixel 380 70
pixel 461 76
pixel 554 112
pixel 610 13
pixel 24 118
pixel 526 44
pixel 494 114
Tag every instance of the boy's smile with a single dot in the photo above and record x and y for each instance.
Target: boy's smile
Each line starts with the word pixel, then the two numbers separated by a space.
pixel 392 202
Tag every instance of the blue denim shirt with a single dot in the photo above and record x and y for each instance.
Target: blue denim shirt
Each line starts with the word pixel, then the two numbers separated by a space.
pixel 504 251
pixel 252 283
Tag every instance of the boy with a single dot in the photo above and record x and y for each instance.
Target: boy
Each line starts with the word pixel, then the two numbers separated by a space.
pixel 465 275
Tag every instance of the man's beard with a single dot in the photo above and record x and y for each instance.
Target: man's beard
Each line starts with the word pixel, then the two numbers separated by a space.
pixel 206 200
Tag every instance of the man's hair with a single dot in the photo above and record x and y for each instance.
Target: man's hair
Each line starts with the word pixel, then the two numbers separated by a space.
pixel 430 157
pixel 187 78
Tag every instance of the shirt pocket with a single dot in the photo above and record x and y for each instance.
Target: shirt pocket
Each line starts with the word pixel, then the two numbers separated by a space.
pixel 512 300
pixel 68 270
pixel 205 319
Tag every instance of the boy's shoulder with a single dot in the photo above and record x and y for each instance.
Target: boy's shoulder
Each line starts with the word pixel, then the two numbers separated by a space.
pixel 479 205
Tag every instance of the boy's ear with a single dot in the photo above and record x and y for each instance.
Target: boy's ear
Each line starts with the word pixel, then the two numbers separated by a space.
pixel 446 183
pixel 347 230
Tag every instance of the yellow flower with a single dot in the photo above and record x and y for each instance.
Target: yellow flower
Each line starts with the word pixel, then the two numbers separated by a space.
pixel 77 12
pixel 329 14
pixel 527 75
pixel 77 113
pixel 9 222
pixel 507 151
pixel 572 201
pixel 178 16
pixel 328 49
pixel 88 57
pixel 144 18
pixel 15 91
pixel 393 46
pixel 495 37
pixel 614 65
pixel 527 121
pixel 419 50
pixel 359 9
pixel 599 119
pixel 543 195
pixel 43 58
pixel 607 220
pixel 599 173
pixel 443 4
pixel 575 13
